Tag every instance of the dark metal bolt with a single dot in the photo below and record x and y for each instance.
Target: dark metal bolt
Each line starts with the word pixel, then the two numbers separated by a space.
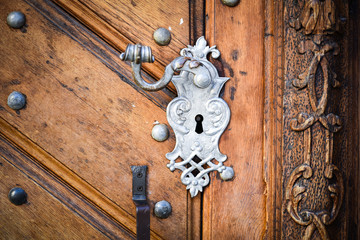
pixel 140 188
pixel 139 175
pixel 162 209
pixel 16 19
pixel 16 100
pixel 17 196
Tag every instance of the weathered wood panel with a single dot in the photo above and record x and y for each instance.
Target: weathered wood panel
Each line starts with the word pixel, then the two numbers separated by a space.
pixel 122 22
pixel 42 216
pixel 63 184
pixel 90 119
pixel 311 127
pixel 236 209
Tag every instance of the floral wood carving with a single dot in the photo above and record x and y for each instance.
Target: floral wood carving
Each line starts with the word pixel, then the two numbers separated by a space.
pixel 317 23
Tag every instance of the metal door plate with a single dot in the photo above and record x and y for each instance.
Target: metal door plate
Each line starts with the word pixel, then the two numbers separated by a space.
pixel 198 116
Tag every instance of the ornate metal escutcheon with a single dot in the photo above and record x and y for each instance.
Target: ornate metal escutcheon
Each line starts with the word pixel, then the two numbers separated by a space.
pixel 198 116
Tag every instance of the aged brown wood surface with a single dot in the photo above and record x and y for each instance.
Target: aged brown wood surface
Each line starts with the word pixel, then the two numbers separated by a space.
pixel 56 186
pixel 354 214
pixel 273 115
pixel 90 123
pixel 236 209
pixel 122 22
pixel 308 158
pixel 42 217
pixel 317 100
pixel 311 133
pixel 292 140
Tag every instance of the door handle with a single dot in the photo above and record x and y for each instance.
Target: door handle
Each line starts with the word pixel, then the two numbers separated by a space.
pixel 198 116
pixel 140 201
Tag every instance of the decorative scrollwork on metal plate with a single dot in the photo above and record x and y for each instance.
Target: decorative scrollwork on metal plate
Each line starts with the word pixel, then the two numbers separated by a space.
pixel 198 96
pixel 198 116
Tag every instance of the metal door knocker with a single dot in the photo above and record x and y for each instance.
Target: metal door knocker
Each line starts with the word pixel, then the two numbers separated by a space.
pixel 198 116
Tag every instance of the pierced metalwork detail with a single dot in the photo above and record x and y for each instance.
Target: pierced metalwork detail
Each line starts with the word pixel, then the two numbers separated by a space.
pixel 199 151
pixel 198 116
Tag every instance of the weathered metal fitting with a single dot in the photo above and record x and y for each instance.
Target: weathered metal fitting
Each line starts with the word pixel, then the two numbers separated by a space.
pixel 160 132
pixel 197 115
pixel 162 209
pixel 16 19
pixel 227 174
pixel 230 3
pixel 162 36
pixel 137 53
pixel 17 196
pixel 16 100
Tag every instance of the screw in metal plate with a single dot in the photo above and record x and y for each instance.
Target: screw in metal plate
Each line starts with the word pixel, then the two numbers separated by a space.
pixel 227 174
pixel 162 36
pixel 162 209
pixel 16 19
pixel 160 132
pixel 16 100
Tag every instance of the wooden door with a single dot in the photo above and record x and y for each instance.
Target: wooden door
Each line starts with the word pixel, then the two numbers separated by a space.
pixel 290 63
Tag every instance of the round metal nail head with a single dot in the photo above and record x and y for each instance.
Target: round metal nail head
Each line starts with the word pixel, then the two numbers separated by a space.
pixel 227 174
pixel 230 3
pixel 16 19
pixel 17 196
pixel 162 36
pixel 16 100
pixel 162 209
pixel 160 132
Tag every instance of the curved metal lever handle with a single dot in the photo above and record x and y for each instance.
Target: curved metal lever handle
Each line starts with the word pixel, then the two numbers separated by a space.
pixel 138 54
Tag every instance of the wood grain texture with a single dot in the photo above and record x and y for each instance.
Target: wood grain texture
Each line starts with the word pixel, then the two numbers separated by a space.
pixel 236 209
pixel 62 183
pixel 46 217
pixel 273 116
pixel 89 122
pixel 122 22
pixel 286 57
pixel 354 221
pixel 316 98
pixel 354 53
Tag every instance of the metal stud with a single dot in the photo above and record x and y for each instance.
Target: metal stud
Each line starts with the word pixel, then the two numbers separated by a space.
pixel 16 19
pixel 17 196
pixel 227 174
pixel 162 36
pixel 16 100
pixel 160 132
pixel 230 3
pixel 162 209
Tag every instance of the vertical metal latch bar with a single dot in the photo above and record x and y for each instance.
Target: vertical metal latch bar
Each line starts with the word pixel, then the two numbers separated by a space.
pixel 139 198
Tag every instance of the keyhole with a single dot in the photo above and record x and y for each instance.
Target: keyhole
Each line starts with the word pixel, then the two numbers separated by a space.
pixel 199 128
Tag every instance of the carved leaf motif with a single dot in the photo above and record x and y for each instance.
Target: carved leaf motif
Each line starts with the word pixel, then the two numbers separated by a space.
pixel 317 17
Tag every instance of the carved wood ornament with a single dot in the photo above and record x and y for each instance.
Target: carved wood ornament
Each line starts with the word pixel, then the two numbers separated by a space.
pixel 315 27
